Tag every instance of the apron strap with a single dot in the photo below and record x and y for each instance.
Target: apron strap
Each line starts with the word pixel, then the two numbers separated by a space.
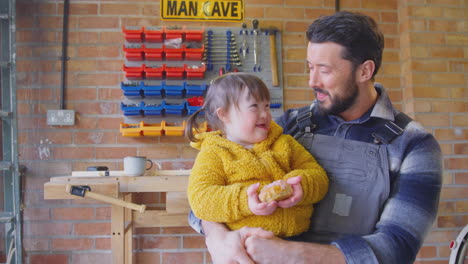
pixel 390 130
pixel 304 119
pixel 384 134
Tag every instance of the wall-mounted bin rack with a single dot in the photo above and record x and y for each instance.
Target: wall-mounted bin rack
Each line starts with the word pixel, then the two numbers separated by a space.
pixel 163 108
pixel 193 72
pixel 159 34
pixel 140 52
pixel 167 70
pixel 158 129
pixel 139 90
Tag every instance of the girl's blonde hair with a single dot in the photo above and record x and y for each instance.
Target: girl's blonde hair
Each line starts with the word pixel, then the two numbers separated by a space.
pixel 224 92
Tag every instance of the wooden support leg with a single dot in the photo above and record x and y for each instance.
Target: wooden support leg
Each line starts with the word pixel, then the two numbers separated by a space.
pixel 128 231
pixel 117 232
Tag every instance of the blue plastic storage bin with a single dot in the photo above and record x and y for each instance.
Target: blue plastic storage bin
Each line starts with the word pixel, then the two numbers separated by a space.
pixel 153 91
pixel 194 89
pixel 193 109
pixel 175 109
pixel 154 109
pixel 174 90
pixel 131 110
pixel 131 90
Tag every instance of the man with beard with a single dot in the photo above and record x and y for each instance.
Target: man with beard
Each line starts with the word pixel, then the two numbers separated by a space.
pixel 384 169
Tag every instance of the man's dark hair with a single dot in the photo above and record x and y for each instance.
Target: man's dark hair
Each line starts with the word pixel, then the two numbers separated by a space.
pixel 357 33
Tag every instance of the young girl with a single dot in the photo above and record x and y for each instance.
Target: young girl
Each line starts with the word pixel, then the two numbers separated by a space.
pixel 245 152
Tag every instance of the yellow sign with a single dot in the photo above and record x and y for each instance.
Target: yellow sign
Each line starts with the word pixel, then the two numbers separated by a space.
pixel 212 10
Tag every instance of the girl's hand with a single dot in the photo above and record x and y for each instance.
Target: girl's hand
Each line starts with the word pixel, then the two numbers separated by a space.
pixel 257 207
pixel 298 193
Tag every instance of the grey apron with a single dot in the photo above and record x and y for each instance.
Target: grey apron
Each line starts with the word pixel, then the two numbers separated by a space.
pixel 359 186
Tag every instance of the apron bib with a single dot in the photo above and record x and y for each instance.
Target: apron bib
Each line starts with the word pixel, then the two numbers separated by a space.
pixel 359 186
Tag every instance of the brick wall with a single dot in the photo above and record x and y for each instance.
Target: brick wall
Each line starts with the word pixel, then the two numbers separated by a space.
pixel 434 80
pixel 425 71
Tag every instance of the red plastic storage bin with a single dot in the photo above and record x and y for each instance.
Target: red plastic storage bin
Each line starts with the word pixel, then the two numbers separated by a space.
pixel 133 34
pixel 194 35
pixel 173 33
pixel 195 72
pixel 155 72
pixel 134 73
pixel 194 53
pixel 153 34
pixel 175 72
pixel 134 53
pixel 154 54
pixel 174 54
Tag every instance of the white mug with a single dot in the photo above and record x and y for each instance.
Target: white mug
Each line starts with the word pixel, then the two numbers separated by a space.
pixel 136 166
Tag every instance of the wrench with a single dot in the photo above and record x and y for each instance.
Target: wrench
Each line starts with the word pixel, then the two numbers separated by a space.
pixel 256 32
pixel 245 47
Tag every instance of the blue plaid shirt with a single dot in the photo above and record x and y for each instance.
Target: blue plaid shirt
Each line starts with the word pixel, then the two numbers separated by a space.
pixel 415 178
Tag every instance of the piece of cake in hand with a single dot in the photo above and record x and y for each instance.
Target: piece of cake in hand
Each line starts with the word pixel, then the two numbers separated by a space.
pixel 275 191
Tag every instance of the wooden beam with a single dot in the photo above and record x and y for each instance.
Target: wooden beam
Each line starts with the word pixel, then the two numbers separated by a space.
pixel 159 218
pixel 57 190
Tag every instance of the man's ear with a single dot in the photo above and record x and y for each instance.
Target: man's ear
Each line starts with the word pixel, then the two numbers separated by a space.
pixel 365 71
pixel 222 115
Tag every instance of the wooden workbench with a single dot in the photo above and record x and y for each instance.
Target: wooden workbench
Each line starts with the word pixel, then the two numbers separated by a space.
pixel 123 220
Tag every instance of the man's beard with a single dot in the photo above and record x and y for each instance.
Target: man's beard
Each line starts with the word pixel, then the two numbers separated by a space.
pixel 340 103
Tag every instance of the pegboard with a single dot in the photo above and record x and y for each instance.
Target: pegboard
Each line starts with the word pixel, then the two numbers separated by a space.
pixel 164 71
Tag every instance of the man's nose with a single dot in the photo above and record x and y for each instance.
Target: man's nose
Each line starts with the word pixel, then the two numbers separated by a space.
pixel 314 79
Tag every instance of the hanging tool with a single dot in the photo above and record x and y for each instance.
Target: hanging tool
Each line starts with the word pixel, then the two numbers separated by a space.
pixel 85 191
pixel 274 59
pixel 256 32
pixel 245 47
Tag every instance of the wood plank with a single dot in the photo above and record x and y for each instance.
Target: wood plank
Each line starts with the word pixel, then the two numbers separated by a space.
pixel 173 172
pixel 154 184
pixel 159 218
pixel 133 184
pixel 177 203
pixel 128 231
pixel 117 234
pixel 98 173
pixel 57 190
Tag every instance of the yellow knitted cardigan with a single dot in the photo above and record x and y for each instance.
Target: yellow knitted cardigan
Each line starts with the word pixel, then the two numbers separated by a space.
pixel 223 171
